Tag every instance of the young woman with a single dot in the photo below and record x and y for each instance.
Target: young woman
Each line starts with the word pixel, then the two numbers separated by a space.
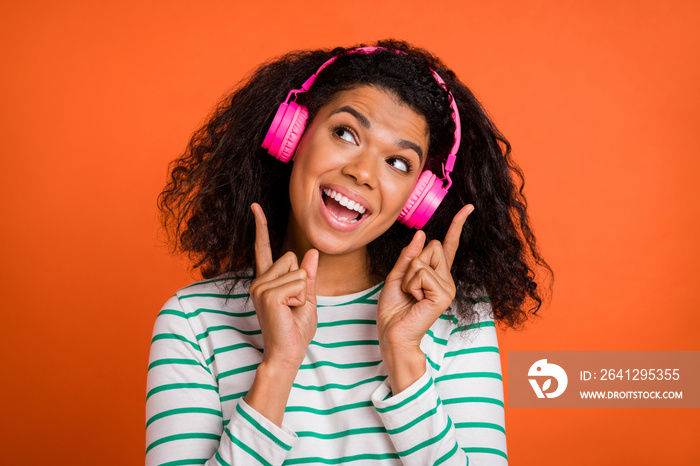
pixel 326 331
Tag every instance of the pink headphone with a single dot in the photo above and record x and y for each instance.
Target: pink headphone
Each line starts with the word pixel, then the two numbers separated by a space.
pixel 289 123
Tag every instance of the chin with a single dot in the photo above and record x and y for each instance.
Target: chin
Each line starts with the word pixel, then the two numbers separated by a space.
pixel 333 247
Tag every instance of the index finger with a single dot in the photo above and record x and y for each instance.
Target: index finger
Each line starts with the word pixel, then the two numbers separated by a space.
pixel 263 253
pixel 408 253
pixel 451 242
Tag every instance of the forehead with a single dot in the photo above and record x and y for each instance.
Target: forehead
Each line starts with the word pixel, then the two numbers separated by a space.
pixel 384 111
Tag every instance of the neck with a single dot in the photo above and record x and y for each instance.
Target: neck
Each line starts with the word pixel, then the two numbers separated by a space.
pixel 342 274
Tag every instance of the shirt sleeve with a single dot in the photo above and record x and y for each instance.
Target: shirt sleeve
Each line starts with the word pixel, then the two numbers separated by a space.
pixel 454 414
pixel 184 421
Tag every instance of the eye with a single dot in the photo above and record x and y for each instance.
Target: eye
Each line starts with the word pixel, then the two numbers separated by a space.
pixel 345 133
pixel 400 164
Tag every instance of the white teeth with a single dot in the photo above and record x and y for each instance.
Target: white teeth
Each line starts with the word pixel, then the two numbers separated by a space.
pixel 344 201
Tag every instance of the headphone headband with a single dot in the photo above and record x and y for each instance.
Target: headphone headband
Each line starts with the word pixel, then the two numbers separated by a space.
pixel 449 163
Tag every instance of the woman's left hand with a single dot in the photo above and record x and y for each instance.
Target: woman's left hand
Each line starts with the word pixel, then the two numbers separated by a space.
pixel 417 291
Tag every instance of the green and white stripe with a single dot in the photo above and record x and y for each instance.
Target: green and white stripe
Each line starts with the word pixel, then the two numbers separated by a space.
pixel 207 346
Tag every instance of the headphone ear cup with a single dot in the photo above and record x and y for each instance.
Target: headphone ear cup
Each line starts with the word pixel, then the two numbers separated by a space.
pixel 271 135
pixel 423 201
pixel 285 131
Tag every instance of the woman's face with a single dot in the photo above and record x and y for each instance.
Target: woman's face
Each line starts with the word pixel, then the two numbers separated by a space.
pixel 354 169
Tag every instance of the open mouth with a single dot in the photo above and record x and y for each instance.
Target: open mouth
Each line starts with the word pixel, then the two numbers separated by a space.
pixel 342 208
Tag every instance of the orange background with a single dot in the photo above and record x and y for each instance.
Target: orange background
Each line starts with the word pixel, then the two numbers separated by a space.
pixel 599 99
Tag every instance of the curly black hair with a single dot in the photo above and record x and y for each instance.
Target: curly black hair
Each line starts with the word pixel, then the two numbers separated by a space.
pixel 205 206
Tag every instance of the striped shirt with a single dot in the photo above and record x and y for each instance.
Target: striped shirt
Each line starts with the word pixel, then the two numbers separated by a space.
pixel 207 345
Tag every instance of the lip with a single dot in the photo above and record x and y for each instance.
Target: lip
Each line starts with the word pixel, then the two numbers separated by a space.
pixel 330 218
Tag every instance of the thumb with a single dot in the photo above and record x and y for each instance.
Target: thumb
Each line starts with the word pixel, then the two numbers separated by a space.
pixel 310 264
pixel 410 252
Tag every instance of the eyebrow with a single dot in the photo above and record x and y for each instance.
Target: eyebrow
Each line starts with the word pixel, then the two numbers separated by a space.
pixel 364 121
pixel 404 144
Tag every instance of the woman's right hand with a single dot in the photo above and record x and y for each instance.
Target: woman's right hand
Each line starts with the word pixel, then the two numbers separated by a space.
pixel 284 296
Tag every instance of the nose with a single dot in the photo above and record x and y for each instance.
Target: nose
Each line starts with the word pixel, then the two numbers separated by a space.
pixel 363 169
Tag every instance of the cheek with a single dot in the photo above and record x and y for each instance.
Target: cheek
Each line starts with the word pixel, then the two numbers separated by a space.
pixel 400 192
pixel 303 181
pixel 308 160
pixel 298 185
